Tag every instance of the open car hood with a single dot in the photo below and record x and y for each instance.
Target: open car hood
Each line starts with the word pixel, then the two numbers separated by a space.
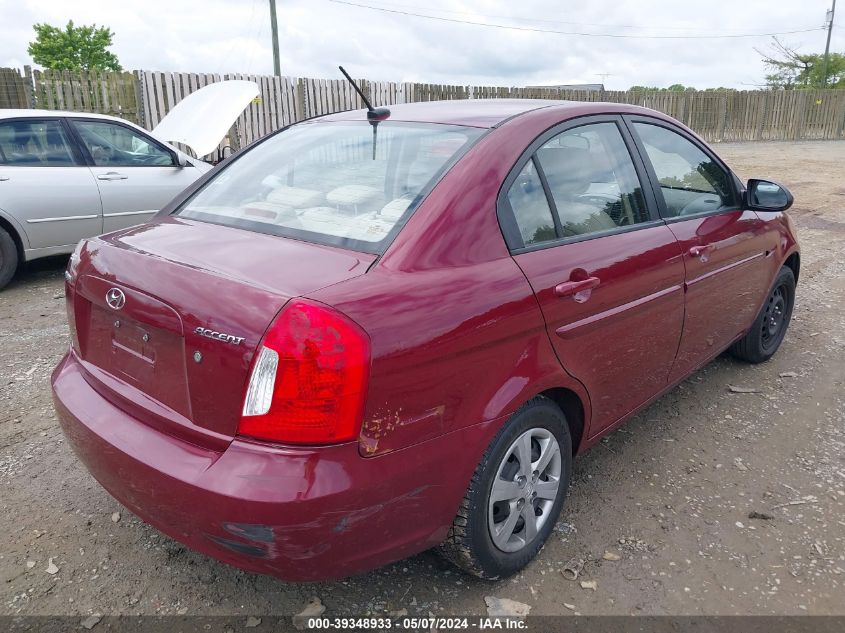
pixel 203 118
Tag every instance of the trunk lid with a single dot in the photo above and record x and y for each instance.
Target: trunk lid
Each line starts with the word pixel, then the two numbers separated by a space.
pixel 194 302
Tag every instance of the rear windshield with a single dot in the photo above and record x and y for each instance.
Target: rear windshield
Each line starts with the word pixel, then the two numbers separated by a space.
pixel 332 182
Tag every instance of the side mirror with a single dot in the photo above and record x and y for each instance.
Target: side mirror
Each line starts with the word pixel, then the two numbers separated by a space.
pixel 765 195
pixel 181 161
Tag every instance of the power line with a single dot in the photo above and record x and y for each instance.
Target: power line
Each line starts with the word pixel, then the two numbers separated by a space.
pixel 576 33
pixel 642 27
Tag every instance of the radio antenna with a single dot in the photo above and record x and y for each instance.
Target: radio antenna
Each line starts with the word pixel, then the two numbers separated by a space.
pixel 374 115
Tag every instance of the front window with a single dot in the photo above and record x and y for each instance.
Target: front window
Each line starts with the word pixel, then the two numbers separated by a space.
pixel 115 145
pixel 690 181
pixel 332 182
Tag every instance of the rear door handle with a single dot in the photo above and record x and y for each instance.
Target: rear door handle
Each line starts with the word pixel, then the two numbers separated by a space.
pixel 4 178
pixel 569 288
pixel 112 175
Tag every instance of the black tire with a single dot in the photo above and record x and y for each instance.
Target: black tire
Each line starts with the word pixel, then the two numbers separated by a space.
pixel 8 258
pixel 769 328
pixel 469 544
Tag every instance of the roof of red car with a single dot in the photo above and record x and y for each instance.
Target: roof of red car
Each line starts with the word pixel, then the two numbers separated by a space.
pixel 472 112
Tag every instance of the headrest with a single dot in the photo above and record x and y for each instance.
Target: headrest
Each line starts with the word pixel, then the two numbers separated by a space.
pixel 23 133
pixel 569 170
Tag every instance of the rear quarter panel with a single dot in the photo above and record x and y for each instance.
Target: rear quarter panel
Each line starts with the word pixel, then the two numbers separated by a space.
pixel 450 349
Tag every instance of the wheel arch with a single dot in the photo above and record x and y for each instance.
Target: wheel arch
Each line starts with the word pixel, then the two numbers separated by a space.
pixel 793 262
pixel 16 236
pixel 573 410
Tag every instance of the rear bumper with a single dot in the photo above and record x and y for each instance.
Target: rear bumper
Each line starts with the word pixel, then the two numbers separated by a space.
pixel 297 513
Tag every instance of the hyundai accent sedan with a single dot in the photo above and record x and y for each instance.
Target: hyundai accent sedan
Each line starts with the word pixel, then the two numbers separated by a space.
pixel 360 339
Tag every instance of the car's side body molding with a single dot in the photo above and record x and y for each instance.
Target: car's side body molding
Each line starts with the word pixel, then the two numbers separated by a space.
pixel 618 312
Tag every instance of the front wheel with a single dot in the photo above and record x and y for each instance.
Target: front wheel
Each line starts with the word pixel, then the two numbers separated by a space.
pixel 515 495
pixel 766 335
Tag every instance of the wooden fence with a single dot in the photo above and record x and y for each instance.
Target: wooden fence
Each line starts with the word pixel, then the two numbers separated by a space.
pixel 15 90
pixel 146 96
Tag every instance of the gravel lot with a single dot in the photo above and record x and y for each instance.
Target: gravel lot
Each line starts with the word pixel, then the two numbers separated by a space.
pixel 670 493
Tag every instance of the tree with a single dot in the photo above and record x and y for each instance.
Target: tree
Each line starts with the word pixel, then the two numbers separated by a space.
pixel 73 48
pixel 672 88
pixel 793 70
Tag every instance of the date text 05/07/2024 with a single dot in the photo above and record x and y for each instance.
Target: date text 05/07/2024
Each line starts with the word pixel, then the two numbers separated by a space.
pixel 417 624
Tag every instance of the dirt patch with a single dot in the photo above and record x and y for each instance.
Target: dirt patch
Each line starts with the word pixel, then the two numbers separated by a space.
pixel 709 502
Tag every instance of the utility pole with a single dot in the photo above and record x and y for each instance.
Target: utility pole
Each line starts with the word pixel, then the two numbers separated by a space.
pixel 827 46
pixel 274 27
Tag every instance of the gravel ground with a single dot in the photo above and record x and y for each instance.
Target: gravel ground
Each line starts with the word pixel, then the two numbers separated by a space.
pixel 671 496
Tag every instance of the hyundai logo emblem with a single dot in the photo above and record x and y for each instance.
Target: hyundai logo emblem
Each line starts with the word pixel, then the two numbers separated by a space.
pixel 115 298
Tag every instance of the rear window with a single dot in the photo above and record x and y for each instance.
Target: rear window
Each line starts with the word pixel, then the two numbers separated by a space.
pixel 332 182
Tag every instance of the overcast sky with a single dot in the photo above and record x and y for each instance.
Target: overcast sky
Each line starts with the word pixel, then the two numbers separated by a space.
pixel 317 35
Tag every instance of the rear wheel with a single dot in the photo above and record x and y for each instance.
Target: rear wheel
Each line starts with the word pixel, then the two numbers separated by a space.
pixel 515 495
pixel 8 258
pixel 765 336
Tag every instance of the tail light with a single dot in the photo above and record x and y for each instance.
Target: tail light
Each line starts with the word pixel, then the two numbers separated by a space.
pixel 309 378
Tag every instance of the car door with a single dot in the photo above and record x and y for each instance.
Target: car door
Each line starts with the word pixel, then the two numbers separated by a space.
pixel 726 249
pixel 607 272
pixel 45 185
pixel 136 175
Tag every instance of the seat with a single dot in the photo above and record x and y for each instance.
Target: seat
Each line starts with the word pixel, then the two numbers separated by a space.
pixel 352 195
pixel 294 197
pixel 394 209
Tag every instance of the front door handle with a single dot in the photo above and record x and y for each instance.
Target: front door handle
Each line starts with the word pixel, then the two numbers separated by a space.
pixel 4 178
pixel 701 250
pixel 112 175
pixel 570 288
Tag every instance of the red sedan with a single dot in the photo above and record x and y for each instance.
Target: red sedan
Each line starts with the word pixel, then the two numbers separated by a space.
pixel 363 338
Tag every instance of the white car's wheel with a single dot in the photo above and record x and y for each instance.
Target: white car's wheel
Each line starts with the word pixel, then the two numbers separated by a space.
pixel 8 258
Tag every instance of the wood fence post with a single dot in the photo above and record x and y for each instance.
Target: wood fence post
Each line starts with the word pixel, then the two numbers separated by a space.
pixel 841 128
pixel 28 86
pixel 299 112
pixel 761 121
pixel 140 98
pixel 723 116
pixel 801 116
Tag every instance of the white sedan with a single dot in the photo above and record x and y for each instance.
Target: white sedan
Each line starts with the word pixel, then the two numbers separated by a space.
pixel 65 176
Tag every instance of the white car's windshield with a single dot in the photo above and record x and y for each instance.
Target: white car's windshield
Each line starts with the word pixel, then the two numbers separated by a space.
pixel 331 182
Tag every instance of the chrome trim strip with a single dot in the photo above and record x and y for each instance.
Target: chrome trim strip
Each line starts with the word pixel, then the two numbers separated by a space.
pixel 67 217
pixel 727 267
pixel 569 330
pixel 123 213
